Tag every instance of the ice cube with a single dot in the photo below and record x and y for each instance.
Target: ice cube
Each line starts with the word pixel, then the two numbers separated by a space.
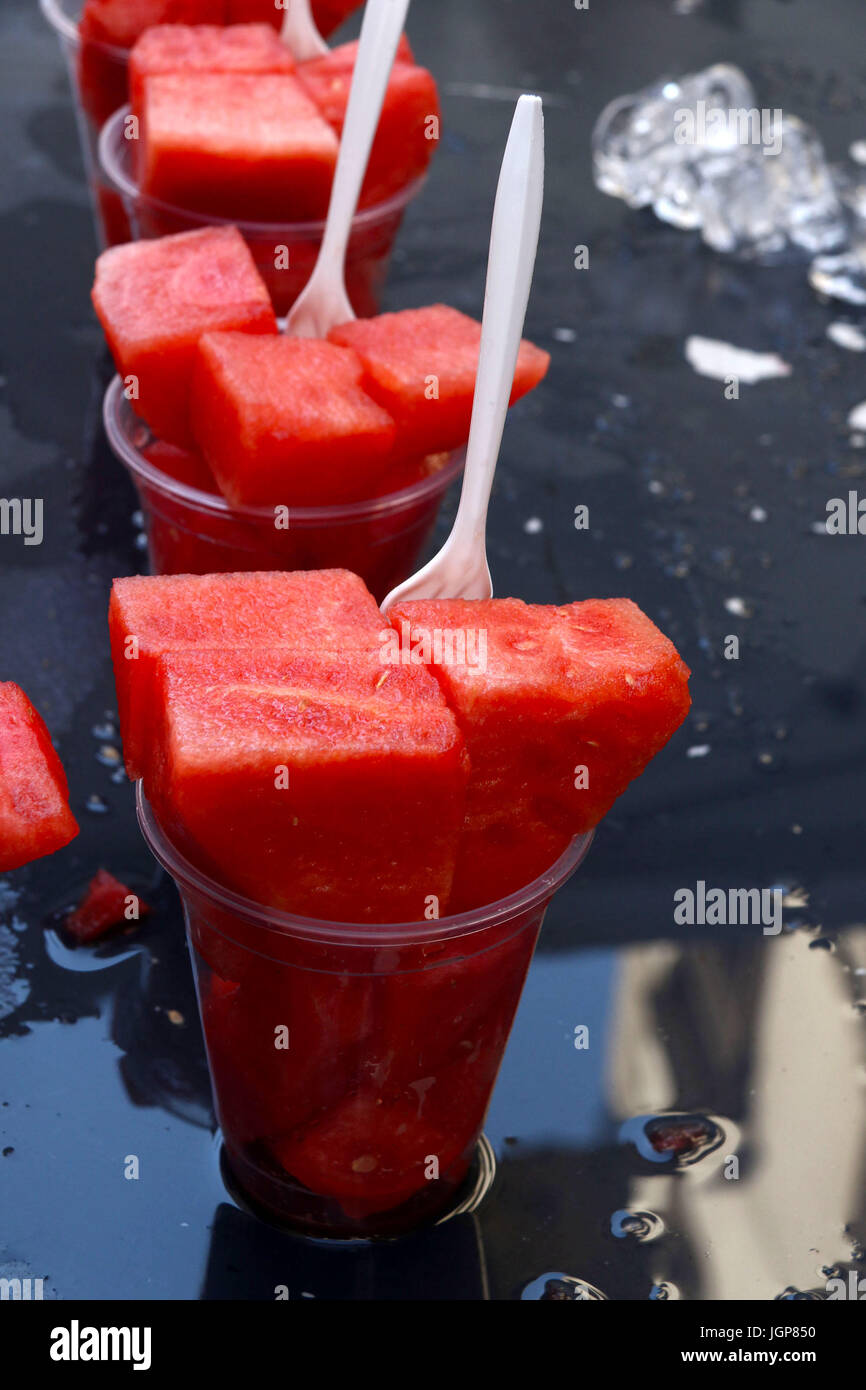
pixel 639 139
pixel 842 276
pixel 802 193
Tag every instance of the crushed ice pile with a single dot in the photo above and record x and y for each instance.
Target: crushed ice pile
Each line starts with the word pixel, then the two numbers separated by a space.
pixel 702 154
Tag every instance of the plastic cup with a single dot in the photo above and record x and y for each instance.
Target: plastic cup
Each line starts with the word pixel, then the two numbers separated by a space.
pixel 98 78
pixel 194 532
pixel 352 1065
pixel 285 253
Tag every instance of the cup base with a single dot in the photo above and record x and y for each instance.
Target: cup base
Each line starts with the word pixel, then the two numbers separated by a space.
pixel 288 1207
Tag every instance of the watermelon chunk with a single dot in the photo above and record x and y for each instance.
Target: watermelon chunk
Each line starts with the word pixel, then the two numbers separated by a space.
pixel 369 1152
pixel 174 48
pixel 151 615
pixel 284 421
pixel 238 145
pixel 401 149
pixel 324 784
pixel 591 685
pixel 120 22
pixel 263 1088
pixel 35 818
pixel 328 14
pixel 183 465
pixel 108 28
pixel 421 365
pixel 155 299
pixel 104 906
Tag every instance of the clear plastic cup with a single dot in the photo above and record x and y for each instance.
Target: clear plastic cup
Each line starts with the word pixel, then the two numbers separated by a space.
pixel 352 1065
pixel 285 253
pixel 194 532
pixel 98 78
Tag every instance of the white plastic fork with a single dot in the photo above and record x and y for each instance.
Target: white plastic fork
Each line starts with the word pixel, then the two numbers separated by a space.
pixel 460 568
pixel 324 302
pixel 299 32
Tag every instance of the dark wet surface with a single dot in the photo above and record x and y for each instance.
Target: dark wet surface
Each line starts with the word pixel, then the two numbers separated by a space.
pixel 705 1044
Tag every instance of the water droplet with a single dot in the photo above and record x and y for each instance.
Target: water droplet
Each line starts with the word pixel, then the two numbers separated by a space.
pixel 621 402
pixel 108 755
pixel 622 560
pixel 141 541
pixel 564 335
pixel 533 525
pixel 766 761
pixel 97 805
pixel 138 519
pixel 698 750
pixel 641 1226
pixel 822 943
pixel 119 775
pixel 664 1292
pixel 104 732
pixel 562 1288
pixel 792 1295
pixel 757 514
pixel 685 1138
pixel 655 487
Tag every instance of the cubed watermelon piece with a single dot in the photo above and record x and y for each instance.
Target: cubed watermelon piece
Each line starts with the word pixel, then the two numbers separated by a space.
pixel 328 14
pixel 231 144
pixel 321 783
pixel 121 22
pixel 155 299
pixel 370 1151
pixel 182 465
pixel 106 904
pixel 35 818
pixel 285 421
pixel 541 693
pixel 264 1089
pixel 150 615
pixel 421 364
pixel 179 48
pixel 405 139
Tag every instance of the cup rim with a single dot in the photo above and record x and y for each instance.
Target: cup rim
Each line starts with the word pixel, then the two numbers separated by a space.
pixel 344 513
pixel 121 181
pixel 66 27
pixel 391 934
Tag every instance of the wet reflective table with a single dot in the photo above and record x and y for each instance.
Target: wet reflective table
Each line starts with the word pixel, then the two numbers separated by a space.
pixel 679 1114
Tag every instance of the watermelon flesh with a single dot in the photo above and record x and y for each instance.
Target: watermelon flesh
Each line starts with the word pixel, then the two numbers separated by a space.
pixel 284 420
pixel 152 615
pixel 155 299
pixel 120 22
pixel 591 685
pixel 35 818
pixel 421 365
pixel 405 139
pixel 108 28
pixel 417 765
pixel 178 48
pixel 270 769
pixel 251 146
pixel 184 466
pixel 103 907
pixel 301 422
